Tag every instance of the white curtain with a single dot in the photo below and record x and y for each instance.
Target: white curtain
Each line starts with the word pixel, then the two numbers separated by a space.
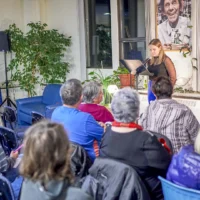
pixel 148 23
pixel 198 41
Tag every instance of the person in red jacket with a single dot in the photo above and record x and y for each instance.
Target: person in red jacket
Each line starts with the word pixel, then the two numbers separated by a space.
pixel 92 97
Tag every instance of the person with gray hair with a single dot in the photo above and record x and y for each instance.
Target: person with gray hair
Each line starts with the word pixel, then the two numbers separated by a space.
pixel 126 141
pixel 92 97
pixel 125 106
pixel 81 127
pixel 176 28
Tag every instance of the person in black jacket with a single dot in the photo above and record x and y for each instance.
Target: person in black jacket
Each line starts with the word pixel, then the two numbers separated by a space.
pixel 126 141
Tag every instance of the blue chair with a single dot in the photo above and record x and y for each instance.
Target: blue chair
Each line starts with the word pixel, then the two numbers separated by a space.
pixel 172 191
pixel 9 117
pixel 134 55
pixel 6 190
pixel 42 104
pixel 8 140
pixel 10 121
pixel 36 117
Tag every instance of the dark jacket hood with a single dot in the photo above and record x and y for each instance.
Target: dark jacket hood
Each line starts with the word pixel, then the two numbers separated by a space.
pixel 53 190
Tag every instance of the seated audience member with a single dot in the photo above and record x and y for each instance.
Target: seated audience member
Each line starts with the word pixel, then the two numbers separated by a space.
pixel 92 97
pixel 7 163
pixel 6 168
pixel 80 126
pixel 184 169
pixel 46 164
pixel 170 118
pixel 126 141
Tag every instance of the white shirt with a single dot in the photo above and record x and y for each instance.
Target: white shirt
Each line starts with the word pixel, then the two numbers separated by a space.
pixel 181 34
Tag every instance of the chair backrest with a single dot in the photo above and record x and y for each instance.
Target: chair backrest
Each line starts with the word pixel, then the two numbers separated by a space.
pixel 80 161
pixel 8 139
pixel 6 191
pixel 9 117
pixel 172 191
pixel 49 110
pixel 36 117
pixel 51 94
pixel 110 179
pixel 135 55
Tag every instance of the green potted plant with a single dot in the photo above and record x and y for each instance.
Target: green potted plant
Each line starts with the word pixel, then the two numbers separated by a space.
pixel 124 76
pixel 38 56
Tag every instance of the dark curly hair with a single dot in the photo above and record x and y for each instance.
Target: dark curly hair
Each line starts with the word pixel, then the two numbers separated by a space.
pixel 162 88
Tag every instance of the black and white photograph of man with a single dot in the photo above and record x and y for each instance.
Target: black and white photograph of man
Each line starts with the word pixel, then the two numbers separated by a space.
pixel 174 27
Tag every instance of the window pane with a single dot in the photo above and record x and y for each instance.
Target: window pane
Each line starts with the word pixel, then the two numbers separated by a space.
pixel 132 29
pixel 98 33
pixel 133 18
pixel 134 50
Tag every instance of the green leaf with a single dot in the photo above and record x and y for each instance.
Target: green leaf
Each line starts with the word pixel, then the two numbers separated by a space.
pixel 38 56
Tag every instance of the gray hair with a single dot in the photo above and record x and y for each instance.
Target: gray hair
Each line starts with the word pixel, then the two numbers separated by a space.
pixel 71 92
pixel 162 3
pixel 91 90
pixel 125 105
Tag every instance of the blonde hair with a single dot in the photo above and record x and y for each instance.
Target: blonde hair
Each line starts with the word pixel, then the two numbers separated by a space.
pixel 197 143
pixel 161 57
pixel 46 153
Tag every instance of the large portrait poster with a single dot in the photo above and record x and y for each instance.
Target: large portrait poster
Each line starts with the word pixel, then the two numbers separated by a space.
pixel 173 23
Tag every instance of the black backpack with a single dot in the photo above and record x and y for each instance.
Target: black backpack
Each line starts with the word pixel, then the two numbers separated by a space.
pixel 80 161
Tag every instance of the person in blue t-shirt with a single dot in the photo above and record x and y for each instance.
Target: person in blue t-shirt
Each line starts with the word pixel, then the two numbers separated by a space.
pixel 80 126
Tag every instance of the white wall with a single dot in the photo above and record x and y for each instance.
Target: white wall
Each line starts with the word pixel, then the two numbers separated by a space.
pixel 65 15
pixel 11 11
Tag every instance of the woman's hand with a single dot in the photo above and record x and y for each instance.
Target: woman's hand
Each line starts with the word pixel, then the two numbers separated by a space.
pixel 14 154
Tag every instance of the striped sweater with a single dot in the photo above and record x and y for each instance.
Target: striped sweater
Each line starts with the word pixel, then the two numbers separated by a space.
pixel 5 162
pixel 172 119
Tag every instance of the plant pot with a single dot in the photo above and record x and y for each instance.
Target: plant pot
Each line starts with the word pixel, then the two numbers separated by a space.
pixel 127 80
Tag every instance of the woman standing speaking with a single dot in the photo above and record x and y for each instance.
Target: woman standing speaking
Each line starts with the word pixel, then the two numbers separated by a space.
pixel 160 65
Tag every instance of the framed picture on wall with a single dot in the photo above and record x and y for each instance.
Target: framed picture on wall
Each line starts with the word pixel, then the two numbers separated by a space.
pixel 173 23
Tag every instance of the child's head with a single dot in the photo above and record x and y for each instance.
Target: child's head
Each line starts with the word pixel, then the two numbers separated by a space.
pixel 46 153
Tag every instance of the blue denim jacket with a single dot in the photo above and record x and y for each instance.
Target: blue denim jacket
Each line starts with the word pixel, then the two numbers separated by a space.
pixel 185 168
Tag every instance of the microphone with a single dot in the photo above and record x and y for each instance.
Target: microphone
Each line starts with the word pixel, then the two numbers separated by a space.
pixel 142 67
pixel 146 61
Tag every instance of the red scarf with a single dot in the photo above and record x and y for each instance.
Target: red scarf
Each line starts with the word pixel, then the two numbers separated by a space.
pixel 128 125
pixel 134 125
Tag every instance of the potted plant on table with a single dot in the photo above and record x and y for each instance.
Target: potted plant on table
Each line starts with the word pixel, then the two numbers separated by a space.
pixel 124 76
